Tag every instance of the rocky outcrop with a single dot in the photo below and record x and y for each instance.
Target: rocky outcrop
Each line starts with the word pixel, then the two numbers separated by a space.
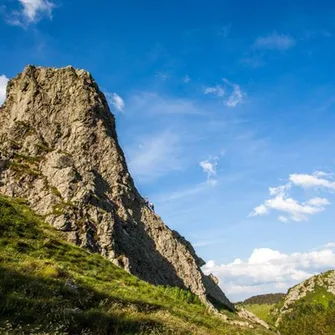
pixel 59 151
pixel 324 280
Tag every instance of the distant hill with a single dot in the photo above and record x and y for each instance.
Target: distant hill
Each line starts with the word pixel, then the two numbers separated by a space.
pixel 262 305
pixel 268 299
pixel 308 308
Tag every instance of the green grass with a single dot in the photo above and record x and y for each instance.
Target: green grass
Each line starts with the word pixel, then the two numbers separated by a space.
pixel 319 295
pixel 48 286
pixel 261 310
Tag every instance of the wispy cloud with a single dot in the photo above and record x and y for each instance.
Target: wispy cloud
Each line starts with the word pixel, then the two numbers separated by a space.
pixel 233 92
pixel 296 211
pixel 209 166
pixel 254 60
pixel 217 90
pixel 182 193
pixel 116 101
pixel 3 86
pixel 186 79
pixel 163 75
pixel 155 104
pixel 312 34
pixel 154 156
pixel 31 12
pixel 275 41
pixel 268 270
pixel 236 95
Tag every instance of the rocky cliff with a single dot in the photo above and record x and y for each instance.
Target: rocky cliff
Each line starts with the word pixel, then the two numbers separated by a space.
pixel 59 151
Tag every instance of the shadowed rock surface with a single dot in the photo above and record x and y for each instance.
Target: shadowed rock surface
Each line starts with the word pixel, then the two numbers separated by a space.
pixel 59 151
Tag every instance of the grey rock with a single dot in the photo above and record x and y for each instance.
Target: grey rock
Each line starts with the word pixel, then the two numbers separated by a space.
pixel 59 150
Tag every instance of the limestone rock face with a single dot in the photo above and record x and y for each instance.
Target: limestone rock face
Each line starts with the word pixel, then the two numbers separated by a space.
pixel 59 151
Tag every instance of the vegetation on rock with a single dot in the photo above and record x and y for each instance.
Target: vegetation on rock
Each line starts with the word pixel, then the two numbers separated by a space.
pixel 308 308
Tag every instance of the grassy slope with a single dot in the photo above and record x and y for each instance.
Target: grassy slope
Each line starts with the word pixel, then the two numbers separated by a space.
pixel 261 310
pixel 48 286
pixel 314 314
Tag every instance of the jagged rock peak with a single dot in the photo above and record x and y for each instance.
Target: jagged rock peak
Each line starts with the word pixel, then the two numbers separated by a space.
pixel 59 151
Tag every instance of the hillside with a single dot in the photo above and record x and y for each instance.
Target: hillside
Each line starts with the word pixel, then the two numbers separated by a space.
pixel 309 307
pixel 48 286
pixel 267 299
pixel 262 305
pixel 59 150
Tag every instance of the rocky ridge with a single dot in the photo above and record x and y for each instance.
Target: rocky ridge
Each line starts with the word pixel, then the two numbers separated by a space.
pixel 59 151
pixel 324 280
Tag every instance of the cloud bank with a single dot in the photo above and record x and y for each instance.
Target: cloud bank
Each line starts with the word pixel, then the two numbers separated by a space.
pixel 268 270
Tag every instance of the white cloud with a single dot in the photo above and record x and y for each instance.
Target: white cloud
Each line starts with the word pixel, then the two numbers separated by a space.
pixel 281 202
pixel 155 156
pixel 259 210
pixel 31 12
pixel 269 270
pixel 279 189
pixel 31 8
pixel 3 86
pixel 209 166
pixel 275 41
pixel 233 91
pixel 186 79
pixel 297 211
pixel 181 194
pixel 216 90
pixel 236 96
pixel 318 179
pixel 116 101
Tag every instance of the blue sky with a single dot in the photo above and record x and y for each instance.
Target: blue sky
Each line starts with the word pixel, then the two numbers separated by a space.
pixel 226 114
